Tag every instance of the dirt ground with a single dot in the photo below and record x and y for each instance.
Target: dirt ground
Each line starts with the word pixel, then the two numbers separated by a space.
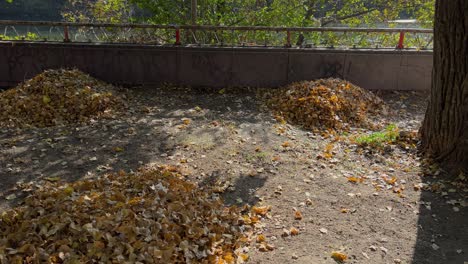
pixel 230 140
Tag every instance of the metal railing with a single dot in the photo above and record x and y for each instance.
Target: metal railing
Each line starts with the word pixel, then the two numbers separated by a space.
pixel 206 35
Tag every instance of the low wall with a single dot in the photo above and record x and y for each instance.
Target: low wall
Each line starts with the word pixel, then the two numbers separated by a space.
pixel 218 67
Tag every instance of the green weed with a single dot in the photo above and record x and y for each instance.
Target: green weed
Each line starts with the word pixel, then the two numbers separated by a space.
pixel 379 139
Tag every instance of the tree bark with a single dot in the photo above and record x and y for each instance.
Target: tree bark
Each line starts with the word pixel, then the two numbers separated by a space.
pixel 444 131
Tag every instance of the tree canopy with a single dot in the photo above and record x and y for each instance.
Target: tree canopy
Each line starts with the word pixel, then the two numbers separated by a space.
pixel 236 12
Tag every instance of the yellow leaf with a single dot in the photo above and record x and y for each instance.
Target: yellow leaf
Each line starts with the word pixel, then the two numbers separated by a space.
pixel 262 210
pixel 52 179
pixel 118 149
pixel 391 181
pixel 264 247
pixel 338 256
pixel 261 238
pixel 298 215
pixel 68 191
pixel 254 219
pixel 244 257
pixel 294 231
pixel 355 179
pixel 46 99
pixel 228 258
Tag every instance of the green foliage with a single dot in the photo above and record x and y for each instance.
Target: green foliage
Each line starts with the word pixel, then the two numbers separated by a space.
pixel 286 13
pixel 105 11
pixel 28 36
pixel 379 139
pixel 252 12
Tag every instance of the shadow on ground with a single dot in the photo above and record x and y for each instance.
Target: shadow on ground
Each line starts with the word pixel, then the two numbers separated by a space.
pixel 245 188
pixel 442 228
pixel 148 133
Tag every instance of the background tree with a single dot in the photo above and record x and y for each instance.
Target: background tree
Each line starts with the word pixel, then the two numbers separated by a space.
pixel 445 128
pixel 253 12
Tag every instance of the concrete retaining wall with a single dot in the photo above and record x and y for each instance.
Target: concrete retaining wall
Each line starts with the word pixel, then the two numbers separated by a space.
pixel 218 67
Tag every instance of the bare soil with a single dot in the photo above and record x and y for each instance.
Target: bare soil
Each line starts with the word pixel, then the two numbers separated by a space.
pixel 230 140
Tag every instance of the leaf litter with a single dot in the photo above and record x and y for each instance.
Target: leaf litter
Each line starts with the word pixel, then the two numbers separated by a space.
pixel 325 104
pixel 151 216
pixel 251 220
pixel 57 97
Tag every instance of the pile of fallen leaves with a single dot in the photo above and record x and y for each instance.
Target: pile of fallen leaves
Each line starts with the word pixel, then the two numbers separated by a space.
pixel 152 216
pixel 56 97
pixel 326 104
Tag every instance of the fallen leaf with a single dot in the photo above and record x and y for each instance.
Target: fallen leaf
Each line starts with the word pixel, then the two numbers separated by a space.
pixel 52 179
pixel 294 231
pixel 94 215
pixel 297 215
pixel 46 99
pixel 355 179
pixel 339 257
pixel 390 181
pixel 11 197
pixel 264 247
pixel 261 210
pixel 261 238
pixel 118 149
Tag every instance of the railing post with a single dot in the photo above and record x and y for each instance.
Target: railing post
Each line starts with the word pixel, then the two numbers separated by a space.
pixel 177 37
pixel 66 38
pixel 401 41
pixel 288 39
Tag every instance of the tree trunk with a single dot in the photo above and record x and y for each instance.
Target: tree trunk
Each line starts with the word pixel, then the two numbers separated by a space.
pixel 445 128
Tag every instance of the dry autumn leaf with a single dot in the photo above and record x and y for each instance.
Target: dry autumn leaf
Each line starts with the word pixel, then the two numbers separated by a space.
pixel 57 97
pixel 261 210
pixel 265 247
pixel 327 153
pixel 156 213
pixel 324 104
pixel 118 149
pixel 261 238
pixel 243 257
pixel 298 215
pixel 294 231
pixel 339 257
pixel 355 179
pixel 186 121
pixel 390 181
